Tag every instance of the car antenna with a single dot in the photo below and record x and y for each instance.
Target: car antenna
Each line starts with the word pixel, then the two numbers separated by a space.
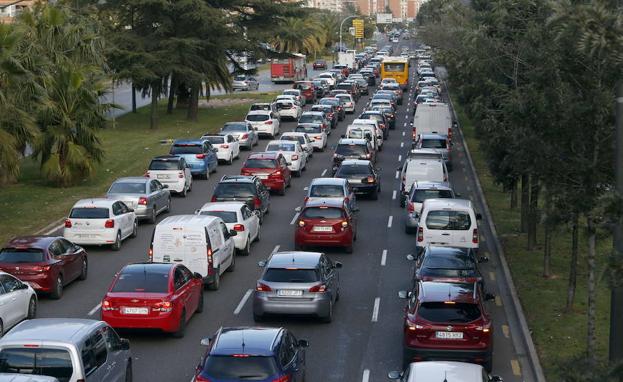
pixel 243 344
pixel 445 378
pixel 449 298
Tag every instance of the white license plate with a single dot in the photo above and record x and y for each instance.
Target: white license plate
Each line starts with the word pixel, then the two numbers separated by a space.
pixel 449 335
pixel 128 310
pixel 322 228
pixel 289 292
pixel 162 176
pixel 262 176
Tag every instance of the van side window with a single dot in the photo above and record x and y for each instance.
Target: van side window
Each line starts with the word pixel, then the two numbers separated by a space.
pixel 99 349
pixel 215 237
pixel 224 230
pixel 94 353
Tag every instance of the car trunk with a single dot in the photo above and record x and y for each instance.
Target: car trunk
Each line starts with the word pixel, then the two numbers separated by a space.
pixel 136 304
pixel 188 246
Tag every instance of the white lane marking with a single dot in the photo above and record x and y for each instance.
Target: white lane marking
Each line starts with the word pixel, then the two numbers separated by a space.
pixel 399 158
pixel 384 258
pixel 375 310
pixel 394 195
pixel 296 216
pixel 276 249
pixel 407 110
pixel 366 376
pixel 323 172
pixel 397 174
pixel 389 221
pixel 404 133
pixel 243 301
pixel 95 309
pixel 402 144
pixel 305 188
pixel 405 124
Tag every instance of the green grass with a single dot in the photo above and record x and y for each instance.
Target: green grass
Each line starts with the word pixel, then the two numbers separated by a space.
pixel 32 204
pixel 558 335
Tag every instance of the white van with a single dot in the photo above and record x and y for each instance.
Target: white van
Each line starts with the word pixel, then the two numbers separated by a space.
pixel 448 223
pixel 375 124
pixel 360 132
pixel 419 170
pixel 202 243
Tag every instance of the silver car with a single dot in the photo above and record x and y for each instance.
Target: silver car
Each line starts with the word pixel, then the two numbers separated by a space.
pixel 420 191
pixel 147 197
pixel 297 283
pixel 245 83
pixel 68 349
pixel 243 132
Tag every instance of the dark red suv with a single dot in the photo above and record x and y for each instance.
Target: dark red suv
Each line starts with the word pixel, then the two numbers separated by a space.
pixel 447 321
pixel 271 168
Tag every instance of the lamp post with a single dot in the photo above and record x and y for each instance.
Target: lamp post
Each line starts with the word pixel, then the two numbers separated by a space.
pixel 341 26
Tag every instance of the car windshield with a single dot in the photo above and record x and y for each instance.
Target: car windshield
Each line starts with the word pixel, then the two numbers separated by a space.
pixel 356 133
pixel 448 220
pixel 283 275
pixel 232 190
pixel 127 188
pixel 178 149
pixel 37 361
pixel 448 313
pixel 353 170
pixel 260 163
pixel 142 280
pixel 421 195
pixel 26 255
pixel 240 78
pixel 227 216
pixel 434 144
pixel 164 165
pixel 234 127
pixel 310 118
pixel 290 92
pixel 247 368
pixel 282 146
pixel 295 138
pixel 258 117
pixel 312 129
pixel 284 105
pixel 89 213
pixel 216 139
pixel 322 213
pixel 351 150
pixel 327 191
pixel 303 86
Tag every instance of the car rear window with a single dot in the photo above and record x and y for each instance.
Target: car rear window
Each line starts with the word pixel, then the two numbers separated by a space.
pixel 37 361
pixel 216 140
pixel 310 118
pixel 89 213
pixel 144 281
pixel 186 149
pixel 421 195
pixel 333 102
pixel 260 163
pixel 322 213
pixel 281 147
pixel 326 191
pixel 260 107
pixel 448 220
pixel 311 129
pixel 240 78
pixel 282 275
pixel 284 105
pixel 295 138
pixel 449 261
pixel 349 170
pixel 127 188
pixel 232 190
pixel 28 255
pixel 227 216
pixel 434 144
pixel 164 165
pixel 448 313
pixel 248 368
pixel 234 127
pixel 258 117
pixel 351 150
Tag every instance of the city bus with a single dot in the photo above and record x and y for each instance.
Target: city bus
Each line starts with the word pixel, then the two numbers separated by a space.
pixel 396 68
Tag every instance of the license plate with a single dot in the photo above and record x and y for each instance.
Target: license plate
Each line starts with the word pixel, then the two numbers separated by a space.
pixel 322 228
pixel 262 176
pixel 162 176
pixel 449 335
pixel 289 292
pixel 128 310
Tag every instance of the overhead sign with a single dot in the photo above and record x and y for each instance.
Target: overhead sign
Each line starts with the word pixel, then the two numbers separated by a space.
pixel 358 25
pixel 384 18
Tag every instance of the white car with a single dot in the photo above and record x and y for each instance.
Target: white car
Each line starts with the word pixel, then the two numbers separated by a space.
pixel 303 139
pixel 173 172
pixel 100 222
pixel 237 216
pixel 264 122
pixel 288 109
pixel 18 301
pixel 349 104
pixel 297 94
pixel 228 147
pixel 443 371
pixel 329 77
pixel 293 152
pixel 316 133
pixel 375 125
pixel 289 97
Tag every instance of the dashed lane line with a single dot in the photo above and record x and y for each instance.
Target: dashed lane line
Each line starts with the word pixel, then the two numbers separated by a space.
pixel 243 301
pixel 95 309
pixel 375 310
pixel 515 367
pixel 390 221
pixel 492 276
pixel 276 249
pixel 498 301
pixel 366 375
pixel 397 174
pixel 296 216
pixel 399 158
pixel 323 172
pixel 506 330
pixel 384 258
pixel 394 195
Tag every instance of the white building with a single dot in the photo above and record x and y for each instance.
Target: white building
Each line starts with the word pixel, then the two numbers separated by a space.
pixel 330 5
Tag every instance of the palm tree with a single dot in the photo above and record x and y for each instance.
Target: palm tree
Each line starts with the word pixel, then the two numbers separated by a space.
pixel 297 35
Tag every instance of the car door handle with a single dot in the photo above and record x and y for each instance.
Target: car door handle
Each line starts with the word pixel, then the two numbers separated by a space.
pixel 445 234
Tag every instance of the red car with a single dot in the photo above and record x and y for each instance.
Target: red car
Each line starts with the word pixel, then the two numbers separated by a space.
pixel 326 222
pixel 271 168
pixel 345 70
pixel 47 263
pixel 319 64
pixel 446 320
pixel 308 90
pixel 153 296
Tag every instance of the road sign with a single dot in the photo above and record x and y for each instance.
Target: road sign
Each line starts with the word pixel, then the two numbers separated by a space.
pixel 351 31
pixel 384 18
pixel 358 24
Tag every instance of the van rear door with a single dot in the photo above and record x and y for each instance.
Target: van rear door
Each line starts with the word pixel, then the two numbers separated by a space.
pixel 448 227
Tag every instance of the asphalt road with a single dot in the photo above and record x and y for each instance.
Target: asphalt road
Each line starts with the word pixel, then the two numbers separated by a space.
pixel 364 341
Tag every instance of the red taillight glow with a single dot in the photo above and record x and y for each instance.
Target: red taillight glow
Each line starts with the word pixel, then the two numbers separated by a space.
pixel 213 199
pixel 410 208
pixel 200 156
pixel 142 201
pixel 107 306
pixel 180 174
pixel 150 254
pixel 239 227
pixel 370 179
pixel 257 203
pixel 420 234
pixel 245 136
pixel 110 223
pixel 276 173
pixel 475 236
pixel 295 157
pixel 318 288
pixel 225 146
pixel 67 223
pixel 261 287
pixel 269 122
pixel 199 378
pixel 163 306
pixel 285 378
pixel 146 175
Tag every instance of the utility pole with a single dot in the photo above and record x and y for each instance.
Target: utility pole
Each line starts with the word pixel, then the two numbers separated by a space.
pixel 341 26
pixel 616 298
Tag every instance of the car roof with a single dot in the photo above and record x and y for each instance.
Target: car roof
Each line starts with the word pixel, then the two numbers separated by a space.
pixel 448 371
pixel 35 241
pixel 259 112
pixel 324 202
pixel 132 179
pixel 352 141
pixel 264 155
pixel 190 220
pixel 222 206
pixel 448 203
pixel 246 340
pixel 188 142
pixel 237 179
pixel 328 181
pixel 433 291
pixel 95 202
pixel 64 330
pixel 294 259
pixel 360 162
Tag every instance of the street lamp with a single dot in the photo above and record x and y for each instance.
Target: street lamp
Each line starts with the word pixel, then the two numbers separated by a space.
pixel 341 26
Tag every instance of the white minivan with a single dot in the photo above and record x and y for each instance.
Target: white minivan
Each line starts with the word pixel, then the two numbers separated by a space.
pixel 364 132
pixel 202 243
pixel 420 170
pixel 448 223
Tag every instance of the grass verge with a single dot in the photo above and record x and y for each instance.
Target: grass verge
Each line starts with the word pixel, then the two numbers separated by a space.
pixel 31 204
pixel 558 335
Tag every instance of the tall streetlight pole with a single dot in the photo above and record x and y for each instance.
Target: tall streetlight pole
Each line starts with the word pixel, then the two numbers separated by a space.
pixel 341 26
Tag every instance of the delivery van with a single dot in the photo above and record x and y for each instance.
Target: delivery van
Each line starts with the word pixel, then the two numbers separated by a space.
pixel 448 223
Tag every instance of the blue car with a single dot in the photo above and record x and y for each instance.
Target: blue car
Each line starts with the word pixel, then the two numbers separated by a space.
pixel 199 154
pixel 257 354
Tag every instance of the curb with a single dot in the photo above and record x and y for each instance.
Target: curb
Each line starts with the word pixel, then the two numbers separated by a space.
pixel 518 310
pixel 50 228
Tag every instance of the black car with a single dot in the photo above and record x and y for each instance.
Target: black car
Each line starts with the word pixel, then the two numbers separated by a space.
pixel 352 149
pixel 389 114
pixel 448 263
pixel 330 111
pixel 241 188
pixel 341 113
pixel 362 177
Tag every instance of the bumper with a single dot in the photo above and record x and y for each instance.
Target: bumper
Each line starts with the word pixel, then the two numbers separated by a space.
pixel 91 238
pixel 288 114
pixel 338 239
pixel 167 322
pixel 176 186
pixel 40 283
pixel 364 188
pixel 240 241
pixel 296 165
pixel 425 354
pixel 317 306
pixel 265 130
pixel 143 212
pixel 274 184
pixel 349 109
pixel 198 168
pixel 223 154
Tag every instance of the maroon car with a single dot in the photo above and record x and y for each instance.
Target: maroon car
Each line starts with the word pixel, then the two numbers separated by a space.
pixel 47 263
pixel 326 222
pixel 320 64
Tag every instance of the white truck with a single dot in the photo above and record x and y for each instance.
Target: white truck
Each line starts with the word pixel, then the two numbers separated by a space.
pixel 432 118
pixel 347 58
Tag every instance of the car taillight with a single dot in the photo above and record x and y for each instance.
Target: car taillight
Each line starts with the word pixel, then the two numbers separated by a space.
pixel 163 306
pixel 44 268
pixel 370 179
pixel 318 288
pixel 107 306
pixel 146 175
pixel 368 155
pixel 142 201
pixel 306 199
pixel 301 223
pixel 257 203
pixel 414 135
pixel 199 378
pixel 413 326
pixel 475 236
pixel 67 223
pixel 295 157
pixel 420 234
pixel 285 378
pixel 200 156
pixel 261 287
pixel 210 261
pixel 410 208
pixel 276 173
pixel 213 199
pixel 150 253
pixel 239 227
pixel 344 224
pixel 270 122
pixel 109 224
pixel 224 146
pixel 245 136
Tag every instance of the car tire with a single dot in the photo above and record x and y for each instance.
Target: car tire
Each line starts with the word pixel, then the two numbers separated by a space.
pixel 117 244
pixel 374 195
pixel 57 292
pixel 329 317
pixel 1 329
pixel 184 192
pixel 257 237
pixel 282 192
pixel 408 230
pixel 206 176
pixel 152 217
pixel 32 308
pixel 297 174
pixel 488 365
pixel 258 317
pixel 216 284
pixel 231 159
pixel 232 266
pixel 84 271
pixel 134 229
pixel 128 372
pixel 179 333
pixel 190 186
pixel 200 304
pixel 168 207
pixel 247 249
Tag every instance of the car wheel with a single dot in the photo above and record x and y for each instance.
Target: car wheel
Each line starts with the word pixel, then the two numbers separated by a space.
pixel 247 248
pixel 232 266
pixel 200 304
pixel 57 292
pixel 216 284
pixel 329 317
pixel 190 185
pixel 374 195
pixel 84 271
pixel 231 159
pixel 152 217
pixel 32 308
pixel 128 372
pixel 408 230
pixel 117 244
pixel 206 176
pixel 257 237
pixel 134 229
pixel 1 329
pixel 184 192
pixel 337 295
pixel 258 317
pixel 282 192
pixel 179 333
pixel 488 365
pixel 297 173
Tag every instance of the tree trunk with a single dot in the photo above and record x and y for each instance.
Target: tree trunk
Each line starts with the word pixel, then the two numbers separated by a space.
pixel 513 191
pixel 183 96
pixel 591 340
pixel 133 98
pixel 547 253
pixel 525 201
pixel 172 89
pixel 193 105
pixel 533 215
pixel 573 266
pixel 155 92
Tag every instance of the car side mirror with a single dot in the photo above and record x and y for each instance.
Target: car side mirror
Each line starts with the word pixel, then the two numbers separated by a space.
pixel 403 294
pixel 257 212
pixel 124 344
pixel 261 263
pixel 496 378
pixel 255 128
pixel 298 209
pixel 410 257
pixel 489 296
pixel 483 259
pixel 394 375
pixel 399 168
pixel 130 210
pixel 289 163
pixel 233 233
pixel 303 343
pixel 165 186
pixel 457 195
pixel 197 212
pixel 478 217
pixel 197 275
pixel 343 136
pixel 338 265
pixel 206 341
